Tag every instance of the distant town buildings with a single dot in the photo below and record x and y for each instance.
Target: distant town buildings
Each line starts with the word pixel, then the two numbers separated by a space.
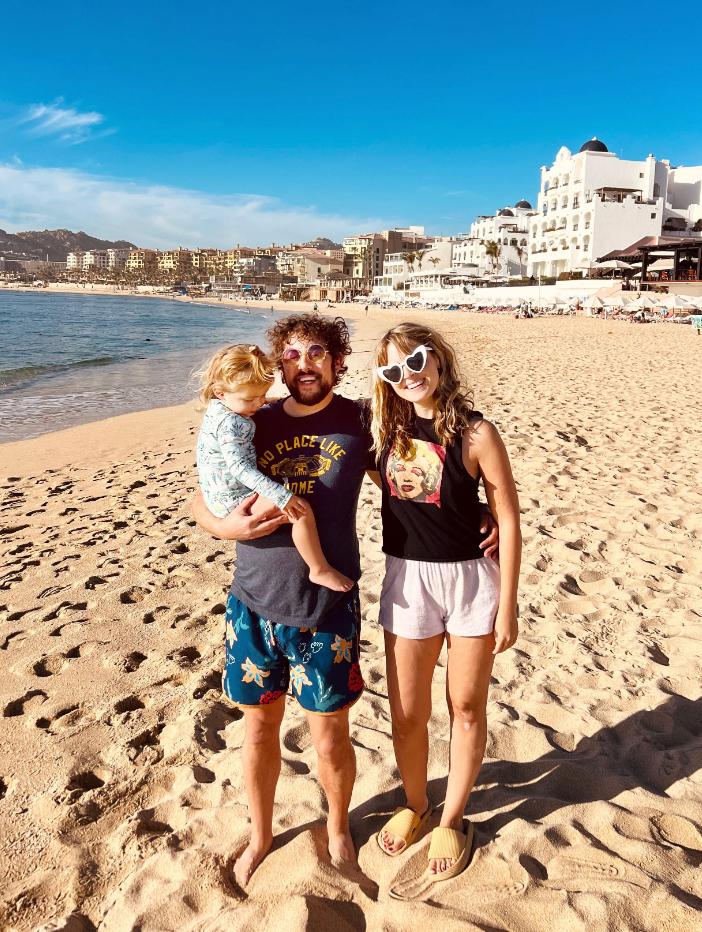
pixel 590 204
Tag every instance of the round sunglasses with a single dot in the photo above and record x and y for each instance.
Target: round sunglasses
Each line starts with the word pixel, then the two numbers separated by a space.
pixel 314 353
pixel 414 362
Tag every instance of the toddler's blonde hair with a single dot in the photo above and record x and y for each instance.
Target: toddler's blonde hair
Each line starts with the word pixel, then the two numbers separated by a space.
pixel 233 367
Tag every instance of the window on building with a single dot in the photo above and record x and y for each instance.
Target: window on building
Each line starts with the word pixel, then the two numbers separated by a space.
pixel 653 216
pixel 641 174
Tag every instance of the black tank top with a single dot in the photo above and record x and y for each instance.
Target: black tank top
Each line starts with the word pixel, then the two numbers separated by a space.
pixel 430 509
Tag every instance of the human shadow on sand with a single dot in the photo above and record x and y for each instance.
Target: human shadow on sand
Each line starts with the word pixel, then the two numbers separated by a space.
pixel 649 749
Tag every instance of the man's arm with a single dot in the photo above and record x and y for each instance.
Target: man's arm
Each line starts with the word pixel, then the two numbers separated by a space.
pixel 239 524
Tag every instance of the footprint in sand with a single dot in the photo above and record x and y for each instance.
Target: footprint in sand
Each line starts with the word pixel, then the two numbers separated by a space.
pixel 588 870
pixel 133 595
pixel 65 717
pixel 677 830
pixel 22 705
pixel 14 639
pixel 298 739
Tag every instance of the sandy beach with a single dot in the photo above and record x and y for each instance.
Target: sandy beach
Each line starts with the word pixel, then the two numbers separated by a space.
pixel 122 804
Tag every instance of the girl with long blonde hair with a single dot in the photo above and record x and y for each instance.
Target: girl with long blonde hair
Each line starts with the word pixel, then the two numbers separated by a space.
pixel 433 450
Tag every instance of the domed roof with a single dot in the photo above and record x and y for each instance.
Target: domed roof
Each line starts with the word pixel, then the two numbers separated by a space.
pixel 593 145
pixel 505 213
pixel 522 205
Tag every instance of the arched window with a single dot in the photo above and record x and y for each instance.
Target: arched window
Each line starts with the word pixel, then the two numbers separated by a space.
pixel 566 179
pixel 553 204
pixel 512 242
pixel 564 203
pixel 576 222
pixel 579 170
pixel 588 220
pixel 523 242
pixel 586 243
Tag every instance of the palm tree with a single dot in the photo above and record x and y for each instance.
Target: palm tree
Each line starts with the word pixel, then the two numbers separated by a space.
pixel 493 250
pixel 521 252
pixel 410 258
pixel 419 255
pixel 435 260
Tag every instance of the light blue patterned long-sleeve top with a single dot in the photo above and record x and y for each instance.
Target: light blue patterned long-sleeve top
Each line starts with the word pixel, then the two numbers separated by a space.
pixel 226 462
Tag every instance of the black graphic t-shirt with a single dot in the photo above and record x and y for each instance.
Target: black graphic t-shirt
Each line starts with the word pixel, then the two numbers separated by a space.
pixel 321 457
pixel 431 510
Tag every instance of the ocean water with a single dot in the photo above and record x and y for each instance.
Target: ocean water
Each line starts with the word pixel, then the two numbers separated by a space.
pixel 68 359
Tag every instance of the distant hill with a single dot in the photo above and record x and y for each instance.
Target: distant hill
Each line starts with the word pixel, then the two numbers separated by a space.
pixel 55 243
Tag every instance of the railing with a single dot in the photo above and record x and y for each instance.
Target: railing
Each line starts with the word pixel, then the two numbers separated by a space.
pixel 587 224
pixel 575 228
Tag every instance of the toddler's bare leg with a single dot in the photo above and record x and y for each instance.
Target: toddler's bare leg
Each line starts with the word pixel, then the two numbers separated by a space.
pixel 306 539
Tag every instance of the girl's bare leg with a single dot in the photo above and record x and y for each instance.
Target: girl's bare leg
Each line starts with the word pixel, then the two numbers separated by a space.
pixel 410 668
pixel 467 682
pixel 306 539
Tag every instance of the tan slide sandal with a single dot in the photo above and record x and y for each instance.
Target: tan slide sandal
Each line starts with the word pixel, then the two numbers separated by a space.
pixel 405 823
pixel 445 843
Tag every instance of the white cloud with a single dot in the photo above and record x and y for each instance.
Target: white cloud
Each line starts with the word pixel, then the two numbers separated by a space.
pixel 158 216
pixel 67 123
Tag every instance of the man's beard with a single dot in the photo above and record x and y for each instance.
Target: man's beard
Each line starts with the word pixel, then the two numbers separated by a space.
pixel 308 395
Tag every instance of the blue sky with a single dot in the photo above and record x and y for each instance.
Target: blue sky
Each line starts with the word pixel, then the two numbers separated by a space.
pixel 184 124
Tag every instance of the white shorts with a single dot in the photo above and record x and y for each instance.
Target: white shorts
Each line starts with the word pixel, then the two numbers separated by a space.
pixel 420 600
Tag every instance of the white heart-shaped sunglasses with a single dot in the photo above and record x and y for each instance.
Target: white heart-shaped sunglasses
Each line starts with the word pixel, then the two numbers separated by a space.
pixel 414 362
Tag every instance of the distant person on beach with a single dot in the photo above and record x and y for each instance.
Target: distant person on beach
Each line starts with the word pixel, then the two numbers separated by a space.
pixel 234 385
pixel 282 628
pixel 439 585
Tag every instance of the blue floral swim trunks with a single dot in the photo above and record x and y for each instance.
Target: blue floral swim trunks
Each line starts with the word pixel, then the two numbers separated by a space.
pixel 263 658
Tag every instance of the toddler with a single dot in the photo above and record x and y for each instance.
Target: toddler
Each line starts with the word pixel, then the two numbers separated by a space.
pixel 234 385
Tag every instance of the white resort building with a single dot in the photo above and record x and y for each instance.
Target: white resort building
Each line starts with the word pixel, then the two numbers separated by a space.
pixel 593 202
pixel 509 229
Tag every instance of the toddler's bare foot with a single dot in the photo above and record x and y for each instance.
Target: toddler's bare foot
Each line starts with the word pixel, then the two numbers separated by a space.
pixel 332 580
pixel 249 860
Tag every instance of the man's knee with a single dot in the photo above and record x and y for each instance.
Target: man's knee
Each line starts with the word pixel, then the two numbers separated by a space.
pixel 332 742
pixel 260 730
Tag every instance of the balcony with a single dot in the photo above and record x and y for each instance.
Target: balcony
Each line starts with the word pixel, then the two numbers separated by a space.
pixel 587 224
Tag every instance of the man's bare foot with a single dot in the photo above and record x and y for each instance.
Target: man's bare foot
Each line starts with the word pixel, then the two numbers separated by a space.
pixel 332 580
pixel 249 860
pixel 341 847
pixel 393 843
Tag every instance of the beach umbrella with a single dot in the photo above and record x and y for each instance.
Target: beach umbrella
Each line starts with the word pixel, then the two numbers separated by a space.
pixel 644 301
pixel 613 264
pixel 673 302
pixel 594 303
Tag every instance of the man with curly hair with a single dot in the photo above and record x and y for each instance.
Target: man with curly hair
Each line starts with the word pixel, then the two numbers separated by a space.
pixel 281 628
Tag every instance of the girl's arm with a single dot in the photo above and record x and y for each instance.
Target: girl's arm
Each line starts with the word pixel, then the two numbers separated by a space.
pixel 483 448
